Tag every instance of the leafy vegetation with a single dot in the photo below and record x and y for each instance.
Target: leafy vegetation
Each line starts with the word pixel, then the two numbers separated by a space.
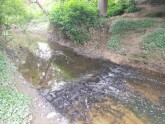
pixel 74 18
pixel 14 107
pixel 6 75
pixel 120 7
pixel 115 43
pixel 125 25
pixel 12 11
pixel 120 27
pixel 155 41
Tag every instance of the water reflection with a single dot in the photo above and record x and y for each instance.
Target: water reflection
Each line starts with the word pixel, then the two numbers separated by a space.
pixel 97 92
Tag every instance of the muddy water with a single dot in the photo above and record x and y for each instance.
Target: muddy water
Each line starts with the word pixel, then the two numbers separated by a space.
pixel 93 91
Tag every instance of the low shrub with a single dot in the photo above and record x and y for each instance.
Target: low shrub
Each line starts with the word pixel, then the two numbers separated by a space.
pixel 155 41
pixel 120 7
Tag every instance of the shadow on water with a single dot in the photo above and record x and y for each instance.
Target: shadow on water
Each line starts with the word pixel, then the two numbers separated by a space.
pixel 94 91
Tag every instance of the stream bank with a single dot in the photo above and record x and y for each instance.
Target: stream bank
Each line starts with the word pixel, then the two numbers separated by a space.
pixel 88 90
pixel 131 52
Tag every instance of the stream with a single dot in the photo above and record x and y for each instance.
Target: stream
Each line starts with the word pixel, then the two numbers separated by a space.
pixel 94 91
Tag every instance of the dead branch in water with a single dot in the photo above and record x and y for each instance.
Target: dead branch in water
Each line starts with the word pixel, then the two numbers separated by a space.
pixel 56 53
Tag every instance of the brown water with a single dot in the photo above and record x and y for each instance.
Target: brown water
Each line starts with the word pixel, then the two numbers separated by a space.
pixel 93 91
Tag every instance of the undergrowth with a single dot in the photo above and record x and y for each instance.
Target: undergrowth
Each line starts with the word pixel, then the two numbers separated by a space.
pixel 120 7
pixel 123 26
pixel 155 41
pixel 6 75
pixel 115 43
pixel 74 18
pixel 13 105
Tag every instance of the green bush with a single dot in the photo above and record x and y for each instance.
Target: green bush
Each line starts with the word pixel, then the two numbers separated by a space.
pixel 12 11
pixel 121 6
pixel 73 18
pixel 125 25
pixel 131 7
pixel 155 41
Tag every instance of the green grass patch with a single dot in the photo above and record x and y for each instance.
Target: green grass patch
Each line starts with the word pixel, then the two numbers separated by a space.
pixel 124 25
pixel 14 107
pixel 155 41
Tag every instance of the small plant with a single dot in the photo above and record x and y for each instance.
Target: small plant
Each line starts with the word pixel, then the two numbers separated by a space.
pixel 155 41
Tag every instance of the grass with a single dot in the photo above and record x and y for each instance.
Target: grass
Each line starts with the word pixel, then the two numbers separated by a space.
pixel 155 41
pixel 125 25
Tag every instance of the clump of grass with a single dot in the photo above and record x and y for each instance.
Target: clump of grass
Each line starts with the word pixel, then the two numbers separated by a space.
pixel 14 107
pixel 155 41
pixel 125 25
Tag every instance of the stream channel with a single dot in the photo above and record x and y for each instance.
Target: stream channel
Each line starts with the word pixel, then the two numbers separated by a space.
pixel 94 91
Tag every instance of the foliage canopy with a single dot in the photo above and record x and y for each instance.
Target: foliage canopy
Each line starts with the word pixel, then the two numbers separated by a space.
pixel 12 10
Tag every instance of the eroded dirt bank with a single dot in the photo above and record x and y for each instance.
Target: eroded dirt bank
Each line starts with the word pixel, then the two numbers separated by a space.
pixel 132 54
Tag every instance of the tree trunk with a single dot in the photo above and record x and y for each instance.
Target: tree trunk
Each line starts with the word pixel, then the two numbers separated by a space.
pixel 102 7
